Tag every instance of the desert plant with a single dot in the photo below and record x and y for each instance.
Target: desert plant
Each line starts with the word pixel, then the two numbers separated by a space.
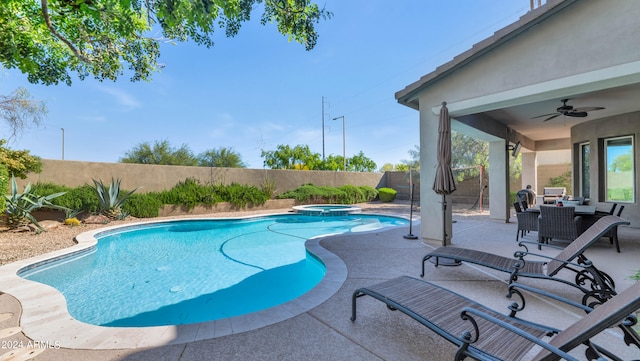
pixel 387 194
pixel 110 199
pixel 20 205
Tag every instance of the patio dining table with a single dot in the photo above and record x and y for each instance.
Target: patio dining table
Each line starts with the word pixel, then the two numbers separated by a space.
pixel 580 210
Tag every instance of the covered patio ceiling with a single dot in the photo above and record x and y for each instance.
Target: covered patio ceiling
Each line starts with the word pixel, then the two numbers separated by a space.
pixel 616 100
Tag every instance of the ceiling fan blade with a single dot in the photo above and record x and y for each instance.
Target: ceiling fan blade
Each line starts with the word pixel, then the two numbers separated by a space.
pixel 553 116
pixel 546 115
pixel 587 109
pixel 576 114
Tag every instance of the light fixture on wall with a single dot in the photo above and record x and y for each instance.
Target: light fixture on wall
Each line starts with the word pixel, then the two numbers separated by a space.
pixel 515 149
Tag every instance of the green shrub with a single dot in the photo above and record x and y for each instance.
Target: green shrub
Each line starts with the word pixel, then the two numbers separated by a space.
pixel 348 194
pixel 4 184
pixel 143 205
pixel 240 195
pixel 387 194
pixel 189 193
pixel 370 193
pixel 83 198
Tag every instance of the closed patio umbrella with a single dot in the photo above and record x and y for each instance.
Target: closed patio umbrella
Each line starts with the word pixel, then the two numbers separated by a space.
pixel 444 183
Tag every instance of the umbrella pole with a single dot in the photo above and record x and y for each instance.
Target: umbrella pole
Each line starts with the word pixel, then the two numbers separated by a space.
pixel 444 261
pixel 411 235
pixel 444 223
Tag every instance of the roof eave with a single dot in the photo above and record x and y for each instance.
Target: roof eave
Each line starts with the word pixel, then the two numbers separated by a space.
pixel 409 95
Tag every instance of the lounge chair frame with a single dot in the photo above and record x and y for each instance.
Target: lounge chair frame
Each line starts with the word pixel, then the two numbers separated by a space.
pixel 484 334
pixel 596 285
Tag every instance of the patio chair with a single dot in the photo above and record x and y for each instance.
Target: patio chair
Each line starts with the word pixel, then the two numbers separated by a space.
pixel 558 223
pixel 596 285
pixel 527 221
pixel 484 334
pixel 613 232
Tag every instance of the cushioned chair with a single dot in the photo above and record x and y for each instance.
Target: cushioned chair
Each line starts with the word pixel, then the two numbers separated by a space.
pixel 558 223
pixel 527 221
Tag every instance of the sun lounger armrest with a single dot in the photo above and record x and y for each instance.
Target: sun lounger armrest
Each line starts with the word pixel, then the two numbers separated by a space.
pixel 524 245
pixel 515 288
pixel 469 314
pixel 521 254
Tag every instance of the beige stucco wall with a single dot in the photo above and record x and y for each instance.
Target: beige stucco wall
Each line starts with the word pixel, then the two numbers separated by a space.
pixel 563 46
pixel 161 177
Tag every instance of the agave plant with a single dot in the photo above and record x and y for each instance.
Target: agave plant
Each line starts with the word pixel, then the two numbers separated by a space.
pixel 110 199
pixel 20 205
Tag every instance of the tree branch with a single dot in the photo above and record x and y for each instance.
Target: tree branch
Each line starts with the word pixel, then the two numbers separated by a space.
pixel 47 20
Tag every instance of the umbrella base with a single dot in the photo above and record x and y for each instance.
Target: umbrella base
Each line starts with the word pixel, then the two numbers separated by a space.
pixel 410 236
pixel 445 261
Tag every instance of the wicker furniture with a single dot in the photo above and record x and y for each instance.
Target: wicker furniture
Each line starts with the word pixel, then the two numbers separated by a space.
pixel 527 221
pixel 483 334
pixel 595 284
pixel 558 223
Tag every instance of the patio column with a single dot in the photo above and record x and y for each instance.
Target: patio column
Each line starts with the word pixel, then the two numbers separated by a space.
pixel 499 180
pixel 431 217
pixel 530 170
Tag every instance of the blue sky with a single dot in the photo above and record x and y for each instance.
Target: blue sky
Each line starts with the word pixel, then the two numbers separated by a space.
pixel 257 90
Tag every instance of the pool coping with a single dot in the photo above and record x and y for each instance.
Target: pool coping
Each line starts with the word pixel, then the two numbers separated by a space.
pixel 45 318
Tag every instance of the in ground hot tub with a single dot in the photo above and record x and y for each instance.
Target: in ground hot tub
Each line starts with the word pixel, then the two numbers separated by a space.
pixel 327 209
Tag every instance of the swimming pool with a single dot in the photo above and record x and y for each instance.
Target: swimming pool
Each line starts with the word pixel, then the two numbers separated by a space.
pixel 189 271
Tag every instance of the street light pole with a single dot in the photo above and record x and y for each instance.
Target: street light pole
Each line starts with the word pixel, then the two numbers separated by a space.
pixel 62 143
pixel 344 143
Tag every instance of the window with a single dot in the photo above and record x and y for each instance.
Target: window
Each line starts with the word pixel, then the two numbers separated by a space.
pixel 585 184
pixel 620 169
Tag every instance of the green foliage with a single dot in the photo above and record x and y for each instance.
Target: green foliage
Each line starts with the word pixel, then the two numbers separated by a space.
pixel 240 195
pixel 145 205
pixel 50 40
pixel 20 205
pixel 189 193
pixel 221 157
pixel 300 157
pixel 79 199
pixel 563 180
pixel 19 162
pixel 360 163
pixel 387 194
pixel 162 152
pixel 111 199
pixel 347 194
pixel 4 184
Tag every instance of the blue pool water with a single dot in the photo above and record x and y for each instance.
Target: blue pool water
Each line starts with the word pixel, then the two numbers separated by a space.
pixel 189 271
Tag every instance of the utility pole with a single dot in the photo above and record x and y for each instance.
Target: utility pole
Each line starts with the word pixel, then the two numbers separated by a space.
pixel 323 128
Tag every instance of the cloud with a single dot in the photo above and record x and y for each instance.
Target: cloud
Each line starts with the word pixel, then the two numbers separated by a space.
pixel 122 98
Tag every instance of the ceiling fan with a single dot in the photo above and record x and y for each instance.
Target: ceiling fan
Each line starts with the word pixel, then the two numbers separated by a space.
pixel 569 111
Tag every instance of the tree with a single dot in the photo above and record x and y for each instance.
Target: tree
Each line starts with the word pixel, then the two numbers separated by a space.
pixel 622 163
pixel 20 110
pixel 299 157
pixel 221 157
pixel 19 162
pixel 468 153
pixel 161 153
pixel 50 39
pixel 360 163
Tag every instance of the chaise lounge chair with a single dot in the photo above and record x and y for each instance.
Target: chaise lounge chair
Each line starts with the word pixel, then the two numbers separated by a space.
pixel 483 334
pixel 596 285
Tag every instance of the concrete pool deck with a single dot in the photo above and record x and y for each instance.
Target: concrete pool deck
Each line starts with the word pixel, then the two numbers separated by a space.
pixel 325 332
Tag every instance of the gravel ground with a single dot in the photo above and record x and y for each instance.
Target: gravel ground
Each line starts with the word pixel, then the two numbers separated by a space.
pixel 15 246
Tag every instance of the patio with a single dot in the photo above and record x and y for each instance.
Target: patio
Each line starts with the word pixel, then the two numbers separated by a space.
pixel 326 333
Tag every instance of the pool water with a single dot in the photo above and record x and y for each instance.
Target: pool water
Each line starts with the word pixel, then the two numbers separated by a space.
pixel 189 271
